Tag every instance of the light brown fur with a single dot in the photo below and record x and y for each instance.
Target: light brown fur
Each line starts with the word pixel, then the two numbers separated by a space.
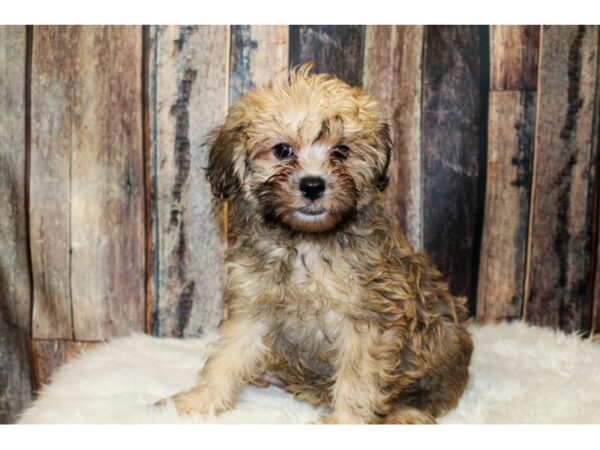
pixel 336 307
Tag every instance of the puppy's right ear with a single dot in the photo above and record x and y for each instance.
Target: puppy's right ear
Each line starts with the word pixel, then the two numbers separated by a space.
pixel 225 160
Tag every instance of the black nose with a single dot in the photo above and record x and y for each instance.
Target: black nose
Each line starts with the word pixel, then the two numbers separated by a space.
pixel 312 187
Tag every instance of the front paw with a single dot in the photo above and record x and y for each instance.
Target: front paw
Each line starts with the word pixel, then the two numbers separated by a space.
pixel 201 400
pixel 337 418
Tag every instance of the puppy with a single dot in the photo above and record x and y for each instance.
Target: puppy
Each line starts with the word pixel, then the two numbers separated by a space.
pixel 323 293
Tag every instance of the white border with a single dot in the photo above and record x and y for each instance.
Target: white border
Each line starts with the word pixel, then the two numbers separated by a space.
pixel 301 12
pixel 304 437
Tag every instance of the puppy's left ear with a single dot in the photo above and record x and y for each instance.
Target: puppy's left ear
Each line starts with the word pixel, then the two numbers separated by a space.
pixel 384 142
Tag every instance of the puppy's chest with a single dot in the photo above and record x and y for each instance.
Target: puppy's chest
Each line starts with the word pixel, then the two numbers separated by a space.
pixel 321 275
pixel 320 292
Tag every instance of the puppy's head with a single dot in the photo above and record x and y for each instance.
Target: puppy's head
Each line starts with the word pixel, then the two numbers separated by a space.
pixel 306 152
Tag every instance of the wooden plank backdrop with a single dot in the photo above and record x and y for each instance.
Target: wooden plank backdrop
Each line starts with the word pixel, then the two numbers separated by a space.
pixel 511 127
pixel 49 181
pixel 15 285
pixel 108 225
pixel 560 231
pixel 189 73
pixel 453 151
pixel 86 182
pixel 393 72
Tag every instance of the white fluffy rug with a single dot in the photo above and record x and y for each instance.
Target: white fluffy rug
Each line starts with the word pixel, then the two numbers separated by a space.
pixel 519 374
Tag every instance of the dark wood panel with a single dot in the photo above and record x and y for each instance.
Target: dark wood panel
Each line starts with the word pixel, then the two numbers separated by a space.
pixel 453 150
pixel 15 283
pixel 258 52
pixel 336 49
pixel 49 355
pixel 189 72
pixel 51 144
pixel 392 72
pixel 514 60
pixel 504 242
pixel 560 230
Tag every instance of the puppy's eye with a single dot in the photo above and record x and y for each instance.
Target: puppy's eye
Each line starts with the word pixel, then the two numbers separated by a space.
pixel 340 151
pixel 283 151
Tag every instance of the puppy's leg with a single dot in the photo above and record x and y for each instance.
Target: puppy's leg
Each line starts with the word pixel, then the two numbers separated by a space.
pixel 239 357
pixel 356 392
pixel 408 415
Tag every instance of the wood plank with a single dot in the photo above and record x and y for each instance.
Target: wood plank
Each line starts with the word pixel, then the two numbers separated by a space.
pixel 514 57
pixel 149 194
pixel 190 72
pixel 50 193
pixel 258 52
pixel 49 355
pixel 453 151
pixel 393 72
pixel 560 225
pixel 504 242
pixel 107 191
pixel 593 314
pixel 15 283
pixel 336 49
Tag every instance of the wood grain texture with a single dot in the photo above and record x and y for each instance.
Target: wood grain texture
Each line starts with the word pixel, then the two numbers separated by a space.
pixel 52 108
pixel 189 72
pixel 453 152
pixel 15 283
pixel 393 72
pixel 149 182
pixel 593 318
pixel 49 355
pixel 336 49
pixel 514 57
pixel 504 242
pixel 258 52
pixel 560 225
pixel 87 143
pixel 107 191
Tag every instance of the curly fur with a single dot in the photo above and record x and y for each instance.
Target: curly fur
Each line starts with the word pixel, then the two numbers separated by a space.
pixel 335 306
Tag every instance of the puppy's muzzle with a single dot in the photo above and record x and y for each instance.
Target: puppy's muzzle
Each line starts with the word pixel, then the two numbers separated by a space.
pixel 312 187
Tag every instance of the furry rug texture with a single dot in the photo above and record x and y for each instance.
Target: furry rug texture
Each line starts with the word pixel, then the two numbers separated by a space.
pixel 519 374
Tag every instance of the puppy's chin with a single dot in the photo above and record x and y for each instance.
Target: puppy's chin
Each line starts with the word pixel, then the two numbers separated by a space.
pixel 310 220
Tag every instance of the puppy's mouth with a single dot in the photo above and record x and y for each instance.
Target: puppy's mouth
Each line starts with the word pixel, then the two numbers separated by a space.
pixel 312 212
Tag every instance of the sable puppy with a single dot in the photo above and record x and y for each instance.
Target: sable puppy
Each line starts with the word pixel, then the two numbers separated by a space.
pixel 323 293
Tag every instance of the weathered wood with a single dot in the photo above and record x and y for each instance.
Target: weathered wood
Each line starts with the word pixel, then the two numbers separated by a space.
pixel 190 72
pixel 149 184
pixel 453 151
pixel 392 72
pixel 87 110
pixel 15 283
pixel 593 318
pixel 504 242
pixel 336 49
pixel 514 57
pixel 107 190
pixel 50 191
pixel 560 226
pixel 258 52
pixel 49 355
